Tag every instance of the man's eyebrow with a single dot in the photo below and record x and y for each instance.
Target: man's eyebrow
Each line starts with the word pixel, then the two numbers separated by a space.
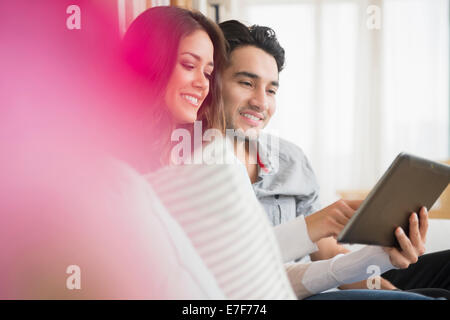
pixel 197 57
pixel 253 76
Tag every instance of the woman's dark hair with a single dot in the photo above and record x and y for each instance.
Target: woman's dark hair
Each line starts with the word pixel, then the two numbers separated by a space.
pixel 151 47
pixel 264 38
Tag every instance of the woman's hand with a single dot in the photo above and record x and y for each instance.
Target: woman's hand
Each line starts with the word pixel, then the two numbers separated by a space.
pixel 413 247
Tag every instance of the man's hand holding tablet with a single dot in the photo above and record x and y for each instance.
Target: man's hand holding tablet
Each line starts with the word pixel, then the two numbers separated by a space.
pixel 331 220
pixel 413 247
pixel 387 217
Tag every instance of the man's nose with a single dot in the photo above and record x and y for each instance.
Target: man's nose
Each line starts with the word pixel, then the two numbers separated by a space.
pixel 259 100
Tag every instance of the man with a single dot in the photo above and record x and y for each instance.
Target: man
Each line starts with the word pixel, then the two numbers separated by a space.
pixel 289 192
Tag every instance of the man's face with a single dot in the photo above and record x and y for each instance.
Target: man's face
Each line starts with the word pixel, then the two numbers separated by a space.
pixel 250 83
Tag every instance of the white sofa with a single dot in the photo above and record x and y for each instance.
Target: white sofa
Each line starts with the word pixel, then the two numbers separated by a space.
pixel 438 237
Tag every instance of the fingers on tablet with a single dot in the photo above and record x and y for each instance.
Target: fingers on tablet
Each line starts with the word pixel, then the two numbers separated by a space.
pixel 354 204
pixel 423 223
pixel 414 234
pixel 408 250
pixel 397 259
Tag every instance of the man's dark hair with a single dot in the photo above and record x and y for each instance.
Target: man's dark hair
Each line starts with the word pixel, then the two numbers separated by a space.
pixel 239 35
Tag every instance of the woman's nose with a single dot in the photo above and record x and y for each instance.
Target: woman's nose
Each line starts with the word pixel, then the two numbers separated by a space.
pixel 201 81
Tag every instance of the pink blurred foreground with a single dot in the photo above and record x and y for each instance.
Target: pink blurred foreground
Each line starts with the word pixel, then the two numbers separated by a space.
pixel 68 109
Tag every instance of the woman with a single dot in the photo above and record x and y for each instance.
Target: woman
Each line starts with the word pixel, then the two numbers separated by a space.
pixel 179 54
pixel 75 223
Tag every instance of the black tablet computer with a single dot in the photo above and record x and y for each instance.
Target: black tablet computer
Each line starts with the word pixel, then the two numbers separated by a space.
pixel 408 184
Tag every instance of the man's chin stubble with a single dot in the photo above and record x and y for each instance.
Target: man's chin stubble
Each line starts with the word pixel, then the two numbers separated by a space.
pixel 240 134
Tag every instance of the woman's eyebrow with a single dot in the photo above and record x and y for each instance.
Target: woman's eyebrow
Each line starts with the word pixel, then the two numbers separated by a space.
pixel 197 57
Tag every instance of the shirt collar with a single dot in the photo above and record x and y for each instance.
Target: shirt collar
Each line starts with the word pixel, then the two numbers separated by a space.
pixel 267 161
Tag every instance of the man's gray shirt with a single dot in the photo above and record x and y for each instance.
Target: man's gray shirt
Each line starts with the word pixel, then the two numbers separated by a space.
pixel 286 185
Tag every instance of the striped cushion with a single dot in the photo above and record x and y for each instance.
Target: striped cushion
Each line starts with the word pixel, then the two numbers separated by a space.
pixel 216 207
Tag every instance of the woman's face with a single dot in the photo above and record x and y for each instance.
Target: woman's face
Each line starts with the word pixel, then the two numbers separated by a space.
pixel 188 84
